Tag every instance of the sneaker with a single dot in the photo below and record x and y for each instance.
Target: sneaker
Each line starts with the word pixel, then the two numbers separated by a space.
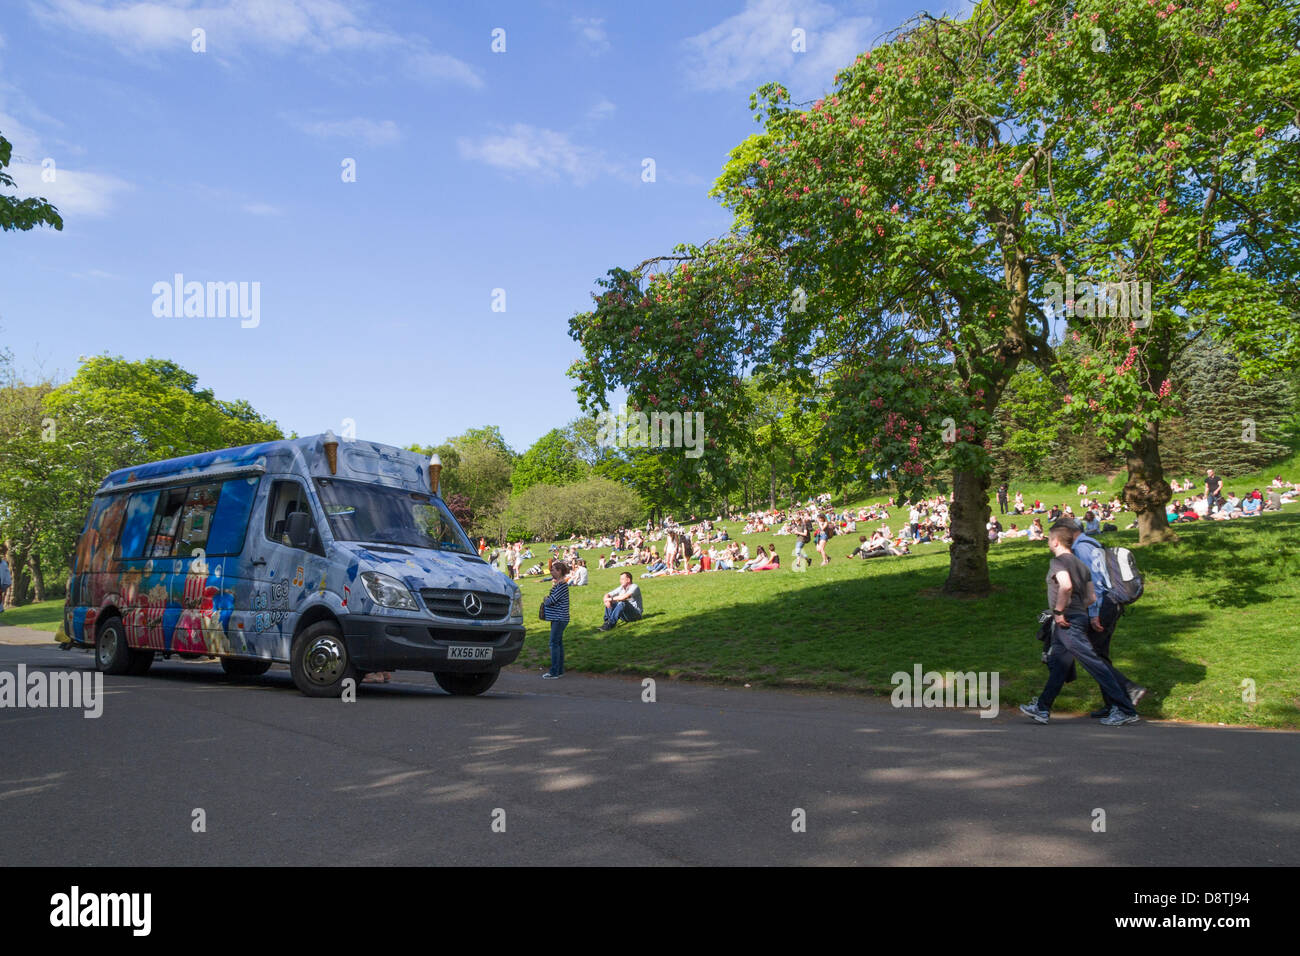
pixel 605 627
pixel 1035 713
pixel 1118 718
pixel 549 676
pixel 1135 694
pixel 1097 714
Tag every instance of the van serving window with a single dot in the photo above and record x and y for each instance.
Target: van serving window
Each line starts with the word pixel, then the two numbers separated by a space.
pixel 183 519
pixel 196 519
pixel 140 509
pixel 378 514
pixel 230 523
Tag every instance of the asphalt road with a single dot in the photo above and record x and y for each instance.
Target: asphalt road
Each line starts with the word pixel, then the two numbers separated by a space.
pixel 588 773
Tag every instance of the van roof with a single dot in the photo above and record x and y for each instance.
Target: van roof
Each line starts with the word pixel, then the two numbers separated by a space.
pixel 358 460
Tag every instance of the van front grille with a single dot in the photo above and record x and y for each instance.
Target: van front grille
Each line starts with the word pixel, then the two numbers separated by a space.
pixel 449 602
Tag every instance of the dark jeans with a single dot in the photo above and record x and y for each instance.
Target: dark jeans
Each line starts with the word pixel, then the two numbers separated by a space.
pixel 621 611
pixel 557 647
pixel 1072 644
pixel 1002 503
pixel 1109 615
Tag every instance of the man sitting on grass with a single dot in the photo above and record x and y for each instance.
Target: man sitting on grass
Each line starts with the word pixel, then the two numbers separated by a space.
pixel 623 603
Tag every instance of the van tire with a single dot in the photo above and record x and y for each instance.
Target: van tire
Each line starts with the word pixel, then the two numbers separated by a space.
pixel 241 667
pixel 140 663
pixel 466 685
pixel 112 655
pixel 319 661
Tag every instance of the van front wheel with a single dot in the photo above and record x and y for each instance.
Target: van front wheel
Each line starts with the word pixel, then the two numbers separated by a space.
pixel 466 685
pixel 319 662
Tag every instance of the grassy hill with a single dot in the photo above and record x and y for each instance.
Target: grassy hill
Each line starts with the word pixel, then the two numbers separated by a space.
pixel 1217 611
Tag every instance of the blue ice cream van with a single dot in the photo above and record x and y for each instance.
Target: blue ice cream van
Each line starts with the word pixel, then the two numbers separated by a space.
pixel 338 558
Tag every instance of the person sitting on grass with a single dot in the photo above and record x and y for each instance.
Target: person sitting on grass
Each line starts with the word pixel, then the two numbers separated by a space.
pixel 578 576
pixel 759 558
pixel 1250 506
pixel 773 562
pixel 1035 532
pixel 623 603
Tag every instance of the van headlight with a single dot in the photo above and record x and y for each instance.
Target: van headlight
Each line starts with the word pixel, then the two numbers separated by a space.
pixel 517 604
pixel 388 592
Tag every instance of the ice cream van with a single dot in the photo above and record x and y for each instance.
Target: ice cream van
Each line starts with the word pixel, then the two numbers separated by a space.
pixel 338 558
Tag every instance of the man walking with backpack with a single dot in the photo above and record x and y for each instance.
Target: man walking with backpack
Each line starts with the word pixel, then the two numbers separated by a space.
pixel 1069 594
pixel 1103 614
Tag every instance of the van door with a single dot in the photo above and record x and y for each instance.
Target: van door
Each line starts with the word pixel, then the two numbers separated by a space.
pixel 281 561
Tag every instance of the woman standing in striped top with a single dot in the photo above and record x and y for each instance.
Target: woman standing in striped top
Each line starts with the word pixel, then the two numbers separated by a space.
pixel 555 608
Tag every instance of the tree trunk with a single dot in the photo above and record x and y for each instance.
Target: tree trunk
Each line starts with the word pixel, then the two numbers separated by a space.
pixel 968 517
pixel 38 576
pixel 1146 490
pixel 18 574
pixel 771 485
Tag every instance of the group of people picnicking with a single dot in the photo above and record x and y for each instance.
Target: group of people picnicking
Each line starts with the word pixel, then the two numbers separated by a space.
pixel 1219 504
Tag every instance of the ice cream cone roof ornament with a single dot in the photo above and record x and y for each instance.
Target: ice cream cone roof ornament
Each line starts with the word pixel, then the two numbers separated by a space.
pixel 332 451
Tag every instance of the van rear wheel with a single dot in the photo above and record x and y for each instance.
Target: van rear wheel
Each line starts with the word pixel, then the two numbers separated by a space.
pixel 319 661
pixel 112 655
pixel 466 685
pixel 239 667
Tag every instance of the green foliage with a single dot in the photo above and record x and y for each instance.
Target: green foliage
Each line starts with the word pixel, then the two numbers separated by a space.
pixel 553 459
pixel 1227 423
pixel 593 505
pixel 1176 164
pixel 22 214
pixel 58 443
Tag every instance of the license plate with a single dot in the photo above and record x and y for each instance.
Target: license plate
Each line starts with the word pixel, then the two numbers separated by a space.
pixel 468 652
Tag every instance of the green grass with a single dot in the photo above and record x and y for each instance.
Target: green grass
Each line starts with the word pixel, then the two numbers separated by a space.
pixel 46 616
pixel 1217 611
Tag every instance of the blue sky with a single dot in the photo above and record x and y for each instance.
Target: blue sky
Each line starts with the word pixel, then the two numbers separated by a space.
pixel 475 171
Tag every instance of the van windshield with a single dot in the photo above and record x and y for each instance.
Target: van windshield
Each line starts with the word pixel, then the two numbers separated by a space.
pixel 363 512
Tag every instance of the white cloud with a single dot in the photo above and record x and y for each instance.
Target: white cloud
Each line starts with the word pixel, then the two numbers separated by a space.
pixel 424 65
pixel 524 149
pixel 317 26
pixel 756 46
pixel 592 32
pixel 260 209
pixel 601 110
pixel 370 132
pixel 73 192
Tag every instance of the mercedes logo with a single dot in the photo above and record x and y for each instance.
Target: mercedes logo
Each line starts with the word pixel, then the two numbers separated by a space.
pixel 473 606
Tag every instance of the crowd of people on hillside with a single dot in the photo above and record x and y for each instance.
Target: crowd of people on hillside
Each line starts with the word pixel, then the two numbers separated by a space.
pixel 670 548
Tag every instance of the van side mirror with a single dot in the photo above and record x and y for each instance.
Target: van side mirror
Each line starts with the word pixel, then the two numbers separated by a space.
pixel 298 528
